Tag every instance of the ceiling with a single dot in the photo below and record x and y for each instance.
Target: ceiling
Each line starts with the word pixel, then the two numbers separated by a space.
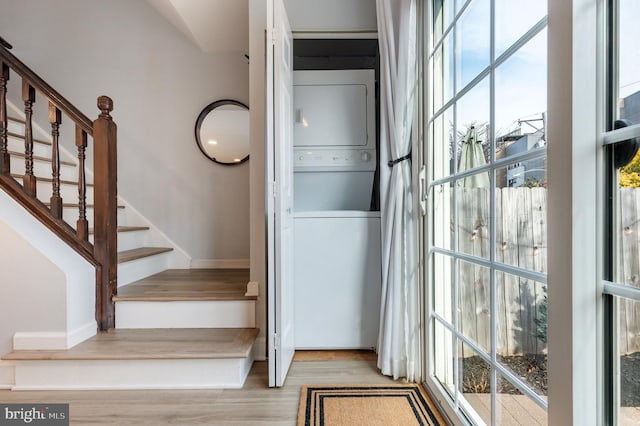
pixel 215 26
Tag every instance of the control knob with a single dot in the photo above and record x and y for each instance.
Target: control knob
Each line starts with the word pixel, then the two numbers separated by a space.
pixel 365 157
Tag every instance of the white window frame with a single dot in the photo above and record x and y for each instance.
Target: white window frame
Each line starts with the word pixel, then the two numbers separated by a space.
pixel 575 86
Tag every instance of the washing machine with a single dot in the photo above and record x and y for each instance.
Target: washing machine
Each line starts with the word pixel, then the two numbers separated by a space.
pixel 337 266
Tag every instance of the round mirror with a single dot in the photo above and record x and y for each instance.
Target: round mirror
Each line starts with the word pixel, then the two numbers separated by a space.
pixel 222 132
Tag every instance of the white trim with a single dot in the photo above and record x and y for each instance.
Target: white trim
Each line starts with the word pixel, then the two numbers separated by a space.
pixel 220 263
pixel 573 255
pixel 40 340
pixel 7 374
pixel 259 350
pixel 53 340
pixel 81 334
pixel 253 288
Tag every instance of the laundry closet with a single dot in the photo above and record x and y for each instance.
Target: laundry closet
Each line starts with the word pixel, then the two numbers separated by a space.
pixel 337 256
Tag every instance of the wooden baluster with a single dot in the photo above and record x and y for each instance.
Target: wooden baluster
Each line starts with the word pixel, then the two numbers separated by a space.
pixel 55 118
pixel 29 97
pixel 105 196
pixel 5 166
pixel 82 227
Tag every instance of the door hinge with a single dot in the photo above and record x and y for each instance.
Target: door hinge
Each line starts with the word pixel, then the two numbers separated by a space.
pixel 274 189
pixel 422 179
pixel 274 36
pixel 276 342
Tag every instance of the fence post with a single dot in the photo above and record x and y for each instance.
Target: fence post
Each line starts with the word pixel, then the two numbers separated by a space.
pixel 105 213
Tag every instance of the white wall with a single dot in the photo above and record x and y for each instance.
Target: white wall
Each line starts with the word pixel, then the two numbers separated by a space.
pixel 335 15
pixel 159 82
pixel 332 15
pixel 32 287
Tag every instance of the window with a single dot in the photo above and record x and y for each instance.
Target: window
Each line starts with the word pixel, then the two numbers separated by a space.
pixel 486 237
pixel 622 258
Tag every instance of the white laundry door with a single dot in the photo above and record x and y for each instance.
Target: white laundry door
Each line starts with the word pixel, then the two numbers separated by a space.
pixel 279 192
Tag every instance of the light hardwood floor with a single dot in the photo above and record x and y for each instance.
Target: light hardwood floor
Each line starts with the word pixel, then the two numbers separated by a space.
pixel 256 404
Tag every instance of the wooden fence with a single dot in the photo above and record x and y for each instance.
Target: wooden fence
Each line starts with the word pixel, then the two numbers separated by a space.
pixel 629 266
pixel 521 240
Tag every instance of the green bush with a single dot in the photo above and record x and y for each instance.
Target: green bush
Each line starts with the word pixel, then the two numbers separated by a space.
pixel 541 320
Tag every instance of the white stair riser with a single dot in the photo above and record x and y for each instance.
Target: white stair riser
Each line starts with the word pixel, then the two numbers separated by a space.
pixel 135 270
pixel 130 240
pixel 132 374
pixel 43 169
pixel 17 145
pixel 186 314
pixel 70 214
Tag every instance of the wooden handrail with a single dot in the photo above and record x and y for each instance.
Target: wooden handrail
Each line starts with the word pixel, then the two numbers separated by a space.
pixel 44 88
pixel 4 43
pixel 103 253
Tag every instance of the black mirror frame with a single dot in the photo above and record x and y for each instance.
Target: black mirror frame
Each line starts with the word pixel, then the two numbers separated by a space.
pixel 203 115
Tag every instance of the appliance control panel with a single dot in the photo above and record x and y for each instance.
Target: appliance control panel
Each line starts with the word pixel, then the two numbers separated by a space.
pixel 344 159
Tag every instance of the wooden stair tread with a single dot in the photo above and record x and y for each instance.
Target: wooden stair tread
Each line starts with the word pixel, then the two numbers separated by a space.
pixel 46 179
pixel 154 343
pixel 139 253
pixel 19 136
pixel 39 158
pixel 188 285
pixel 125 229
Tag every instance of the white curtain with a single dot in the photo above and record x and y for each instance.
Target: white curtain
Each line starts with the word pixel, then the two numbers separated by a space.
pixel 399 338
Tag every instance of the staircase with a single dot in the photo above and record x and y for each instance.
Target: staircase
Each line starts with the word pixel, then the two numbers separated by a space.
pixel 160 328
pixel 178 329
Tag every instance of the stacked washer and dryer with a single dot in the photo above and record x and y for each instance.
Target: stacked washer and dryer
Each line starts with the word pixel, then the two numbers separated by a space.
pixel 337 266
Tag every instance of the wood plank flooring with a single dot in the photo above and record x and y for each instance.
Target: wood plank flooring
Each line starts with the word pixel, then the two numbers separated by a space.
pixel 165 343
pixel 254 405
pixel 189 284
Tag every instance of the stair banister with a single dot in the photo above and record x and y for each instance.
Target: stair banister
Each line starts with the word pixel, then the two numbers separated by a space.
pixel 103 253
pixel 105 199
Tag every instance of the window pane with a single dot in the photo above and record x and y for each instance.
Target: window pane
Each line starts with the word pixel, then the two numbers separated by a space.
pixel 521 329
pixel 521 94
pixel 442 16
pixel 443 286
pixel 629 60
pixel 473 110
pixel 443 74
pixel 475 382
pixel 443 357
pixel 442 217
pixel 514 408
pixel 472 42
pixel 629 361
pixel 628 270
pixel 442 146
pixel 521 215
pixel 474 303
pixel 473 226
pixel 514 19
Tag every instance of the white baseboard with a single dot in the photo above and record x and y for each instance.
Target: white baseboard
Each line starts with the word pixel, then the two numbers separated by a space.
pixel 220 263
pixel 260 349
pixel 53 340
pixel 81 334
pixel 7 374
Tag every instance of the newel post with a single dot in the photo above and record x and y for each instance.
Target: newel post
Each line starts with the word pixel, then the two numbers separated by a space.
pixel 105 213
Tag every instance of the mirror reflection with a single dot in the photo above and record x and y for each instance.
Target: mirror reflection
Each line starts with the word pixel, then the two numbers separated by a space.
pixel 222 132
